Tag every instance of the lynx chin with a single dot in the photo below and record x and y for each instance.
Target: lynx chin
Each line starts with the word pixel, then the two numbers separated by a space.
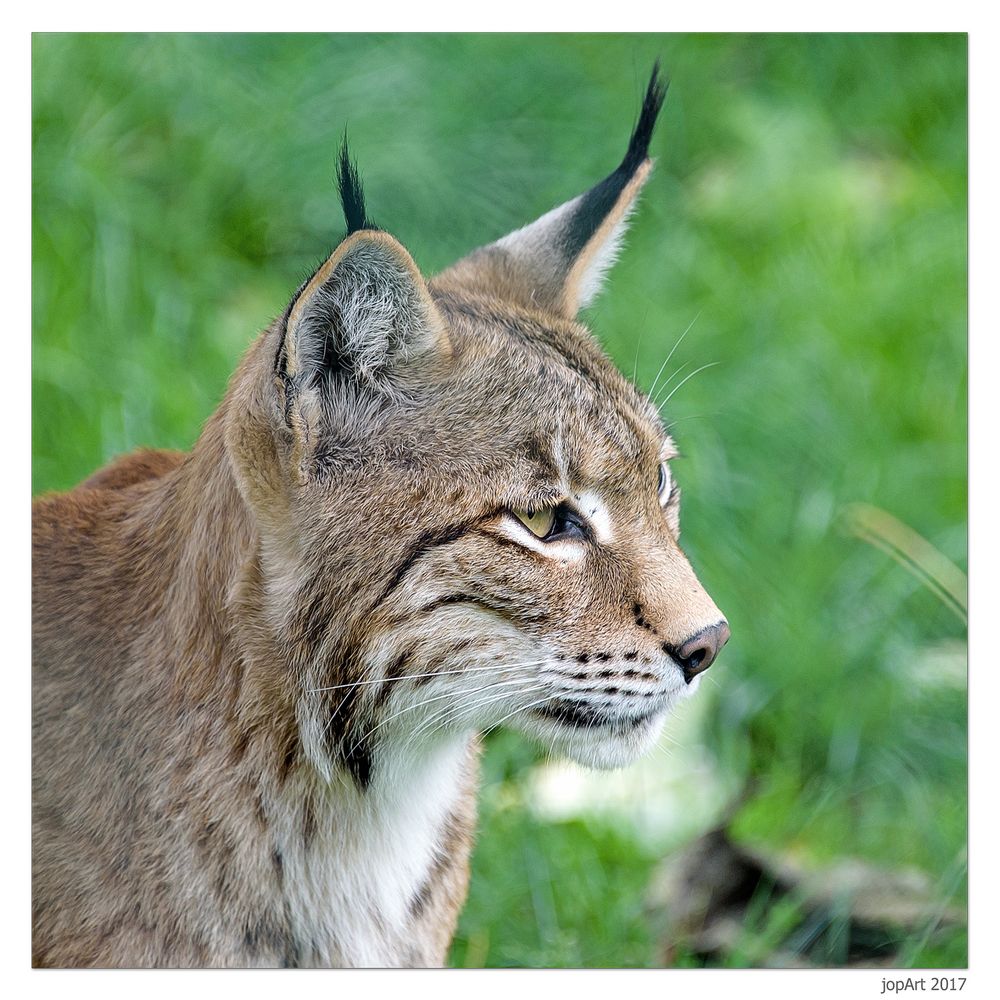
pixel 423 509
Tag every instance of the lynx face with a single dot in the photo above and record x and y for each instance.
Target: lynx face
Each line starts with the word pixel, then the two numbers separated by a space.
pixel 469 517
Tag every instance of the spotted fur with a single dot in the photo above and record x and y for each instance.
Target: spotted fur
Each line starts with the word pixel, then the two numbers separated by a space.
pixel 260 668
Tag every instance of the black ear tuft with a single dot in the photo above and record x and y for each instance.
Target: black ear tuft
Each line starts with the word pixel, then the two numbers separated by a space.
pixel 638 144
pixel 594 206
pixel 558 261
pixel 352 194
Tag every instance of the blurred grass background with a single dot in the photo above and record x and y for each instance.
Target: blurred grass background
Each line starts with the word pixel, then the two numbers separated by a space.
pixel 807 216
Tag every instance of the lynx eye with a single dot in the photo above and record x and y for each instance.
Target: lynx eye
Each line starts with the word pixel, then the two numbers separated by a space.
pixel 539 522
pixel 551 524
pixel 663 485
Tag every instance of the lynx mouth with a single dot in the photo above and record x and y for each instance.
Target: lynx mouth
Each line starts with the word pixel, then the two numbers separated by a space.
pixel 579 716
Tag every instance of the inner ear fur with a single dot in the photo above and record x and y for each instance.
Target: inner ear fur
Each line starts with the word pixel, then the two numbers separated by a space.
pixel 558 262
pixel 366 315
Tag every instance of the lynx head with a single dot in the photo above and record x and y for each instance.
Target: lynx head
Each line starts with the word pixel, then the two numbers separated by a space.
pixel 467 515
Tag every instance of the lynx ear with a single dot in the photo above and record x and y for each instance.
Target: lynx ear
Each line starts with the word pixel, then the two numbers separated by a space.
pixel 558 262
pixel 365 315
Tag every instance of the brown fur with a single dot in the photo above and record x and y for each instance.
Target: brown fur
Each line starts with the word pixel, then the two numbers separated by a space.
pixel 127 470
pixel 230 645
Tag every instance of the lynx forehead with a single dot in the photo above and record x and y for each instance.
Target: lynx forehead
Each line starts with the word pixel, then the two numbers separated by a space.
pixel 424 509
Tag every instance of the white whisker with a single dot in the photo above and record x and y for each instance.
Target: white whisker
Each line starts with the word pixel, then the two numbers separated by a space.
pixel 364 680
pixel 642 330
pixel 711 364
pixel 430 724
pixel 401 677
pixel 691 416
pixel 427 701
pixel 434 718
pixel 652 388
pixel 522 708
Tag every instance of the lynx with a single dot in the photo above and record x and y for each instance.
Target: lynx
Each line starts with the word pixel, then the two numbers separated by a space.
pixel 423 509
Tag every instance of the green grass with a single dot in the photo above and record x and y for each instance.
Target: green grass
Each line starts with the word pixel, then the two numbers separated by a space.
pixel 807 216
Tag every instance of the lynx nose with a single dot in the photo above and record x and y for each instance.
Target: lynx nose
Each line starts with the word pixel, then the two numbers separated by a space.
pixel 698 652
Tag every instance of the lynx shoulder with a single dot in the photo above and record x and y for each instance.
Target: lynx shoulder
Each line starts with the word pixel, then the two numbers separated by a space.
pixel 423 509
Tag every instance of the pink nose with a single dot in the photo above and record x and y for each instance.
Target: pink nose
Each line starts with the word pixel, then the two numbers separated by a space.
pixel 697 653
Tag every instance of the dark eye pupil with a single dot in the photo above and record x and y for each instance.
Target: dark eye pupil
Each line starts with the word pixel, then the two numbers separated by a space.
pixel 565 522
pixel 661 480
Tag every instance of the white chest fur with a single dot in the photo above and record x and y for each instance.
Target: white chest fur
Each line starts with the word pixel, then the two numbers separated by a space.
pixel 350 883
